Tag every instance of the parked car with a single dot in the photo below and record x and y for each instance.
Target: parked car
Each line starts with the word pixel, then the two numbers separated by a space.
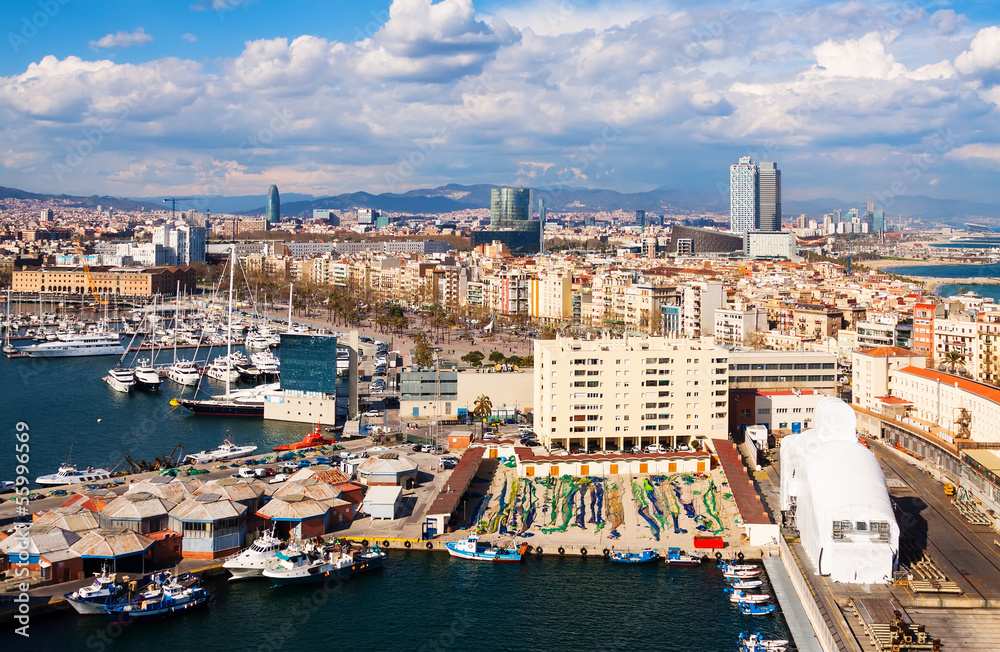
pixel 635 450
pixel 418 448
pixel 490 436
pixel 655 448
pixel 449 458
pixel 373 413
pixel 431 449
pixel 281 477
pixel 683 447
pixel 449 464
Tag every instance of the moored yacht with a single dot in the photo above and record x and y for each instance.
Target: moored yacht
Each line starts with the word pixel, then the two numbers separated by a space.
pixel 222 368
pixel 309 563
pixel 251 562
pixel 121 379
pixel 146 376
pixel 68 474
pixel 183 372
pixel 75 345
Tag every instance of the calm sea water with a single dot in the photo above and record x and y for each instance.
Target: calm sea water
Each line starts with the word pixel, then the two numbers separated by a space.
pixel 424 601
pixel 947 271
pixel 990 291
pixel 420 601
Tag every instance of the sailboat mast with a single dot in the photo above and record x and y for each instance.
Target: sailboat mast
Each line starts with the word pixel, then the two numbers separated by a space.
pixel 229 335
pixel 290 286
pixel 176 299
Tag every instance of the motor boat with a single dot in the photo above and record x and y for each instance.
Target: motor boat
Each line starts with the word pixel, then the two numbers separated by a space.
pixel 677 557
pixel 120 379
pixel 167 595
pixel 146 376
pixel 471 548
pixel 737 595
pixel 183 372
pixel 227 451
pixel 251 562
pixel 92 599
pixel 312 440
pixel 643 556
pixel 305 564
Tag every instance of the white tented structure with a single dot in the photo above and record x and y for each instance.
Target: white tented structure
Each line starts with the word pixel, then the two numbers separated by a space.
pixel 834 491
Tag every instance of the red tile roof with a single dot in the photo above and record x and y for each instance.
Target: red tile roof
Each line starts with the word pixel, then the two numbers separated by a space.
pixel 886 351
pixel 894 400
pixel 979 389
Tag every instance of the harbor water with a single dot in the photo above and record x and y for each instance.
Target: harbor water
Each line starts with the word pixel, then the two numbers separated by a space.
pixel 419 601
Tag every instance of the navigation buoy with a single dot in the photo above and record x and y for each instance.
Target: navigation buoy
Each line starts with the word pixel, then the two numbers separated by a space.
pixel 98 421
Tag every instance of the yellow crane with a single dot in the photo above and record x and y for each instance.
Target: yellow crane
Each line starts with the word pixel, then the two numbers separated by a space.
pixel 86 272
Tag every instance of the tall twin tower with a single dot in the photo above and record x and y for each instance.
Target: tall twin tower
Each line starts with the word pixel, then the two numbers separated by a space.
pixel 754 196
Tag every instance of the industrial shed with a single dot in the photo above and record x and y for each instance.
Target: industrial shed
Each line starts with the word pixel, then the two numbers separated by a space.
pixel 833 491
pixel 213 526
pixel 388 469
pixel 120 549
pixel 384 502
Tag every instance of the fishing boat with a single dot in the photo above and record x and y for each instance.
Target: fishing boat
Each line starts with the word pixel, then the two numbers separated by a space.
pixel 227 451
pixel 165 596
pixel 741 574
pixel 737 567
pixel 752 609
pixel 67 474
pixel 737 595
pixel 305 564
pixel 643 556
pixel 470 548
pixel 755 643
pixel 92 599
pixel 251 562
pixel 746 584
pixel 677 557
pixel 312 440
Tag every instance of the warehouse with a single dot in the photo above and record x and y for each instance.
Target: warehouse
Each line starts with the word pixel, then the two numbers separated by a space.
pixel 833 492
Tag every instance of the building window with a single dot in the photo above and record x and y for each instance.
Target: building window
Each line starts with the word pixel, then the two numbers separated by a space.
pixel 746 413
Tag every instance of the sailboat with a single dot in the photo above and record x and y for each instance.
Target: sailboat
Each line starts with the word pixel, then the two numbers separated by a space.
pixel 241 405
pixel 182 372
pixel 8 348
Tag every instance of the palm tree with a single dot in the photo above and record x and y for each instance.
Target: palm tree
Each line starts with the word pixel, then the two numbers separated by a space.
pixel 482 409
pixel 954 358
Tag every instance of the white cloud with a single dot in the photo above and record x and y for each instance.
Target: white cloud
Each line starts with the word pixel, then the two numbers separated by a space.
pixel 123 39
pixel 863 58
pixel 977 151
pixel 189 37
pixel 947 21
pixel 983 52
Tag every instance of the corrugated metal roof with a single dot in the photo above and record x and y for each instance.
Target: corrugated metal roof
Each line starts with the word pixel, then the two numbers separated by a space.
pixel 111 543
pixel 42 539
pixel 242 489
pixel 381 465
pixel 74 518
pixel 138 506
pixel 307 487
pixel 295 507
pixel 163 487
pixel 322 473
pixel 206 508
pixel 383 495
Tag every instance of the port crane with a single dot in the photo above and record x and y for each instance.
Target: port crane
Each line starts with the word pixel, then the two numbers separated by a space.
pixel 86 272
pixel 173 204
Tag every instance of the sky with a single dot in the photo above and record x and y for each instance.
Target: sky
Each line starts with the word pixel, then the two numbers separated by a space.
pixel 207 97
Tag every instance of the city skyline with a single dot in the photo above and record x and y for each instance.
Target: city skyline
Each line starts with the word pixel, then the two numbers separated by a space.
pixel 229 97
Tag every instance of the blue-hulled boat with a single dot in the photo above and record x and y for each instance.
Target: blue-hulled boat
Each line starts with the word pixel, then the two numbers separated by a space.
pixel 750 609
pixel 677 557
pixel 470 548
pixel 642 557
pixel 165 596
pixel 755 643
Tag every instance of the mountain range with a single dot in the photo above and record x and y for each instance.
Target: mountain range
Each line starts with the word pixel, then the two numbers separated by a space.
pixel 455 197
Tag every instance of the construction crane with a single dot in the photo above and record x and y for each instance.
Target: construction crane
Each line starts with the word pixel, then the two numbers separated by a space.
pixel 86 272
pixel 173 204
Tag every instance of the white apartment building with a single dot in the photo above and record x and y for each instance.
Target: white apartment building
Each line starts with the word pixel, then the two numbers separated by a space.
pixel 871 370
pixel 613 394
pixel 769 244
pixel 699 301
pixel 956 334
pixel 552 296
pixel 733 326
pixel 942 399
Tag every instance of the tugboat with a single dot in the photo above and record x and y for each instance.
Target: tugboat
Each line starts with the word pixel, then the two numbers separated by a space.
pixel 251 562
pixel 677 557
pixel 166 595
pixel 754 643
pixel 92 599
pixel 309 563
pixel 312 440
pixel 472 549
pixel 644 556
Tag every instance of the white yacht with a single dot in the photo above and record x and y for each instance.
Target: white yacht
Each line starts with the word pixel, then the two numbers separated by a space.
pixel 68 474
pixel 227 451
pixel 266 362
pixel 73 345
pixel 255 340
pixel 252 561
pixel 121 379
pixel 223 369
pixel 146 376
pixel 183 372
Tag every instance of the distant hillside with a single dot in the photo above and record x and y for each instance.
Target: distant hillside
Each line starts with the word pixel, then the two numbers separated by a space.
pixel 117 203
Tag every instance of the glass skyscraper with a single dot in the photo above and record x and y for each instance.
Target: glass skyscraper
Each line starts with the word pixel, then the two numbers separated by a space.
pixel 769 197
pixel 510 208
pixel 273 205
pixel 744 201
